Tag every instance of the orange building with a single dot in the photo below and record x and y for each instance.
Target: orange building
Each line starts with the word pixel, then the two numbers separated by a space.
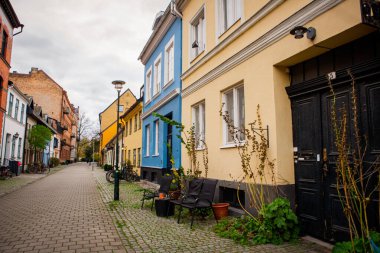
pixel 8 22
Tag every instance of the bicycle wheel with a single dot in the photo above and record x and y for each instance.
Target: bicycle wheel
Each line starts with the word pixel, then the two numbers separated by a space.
pixel 110 176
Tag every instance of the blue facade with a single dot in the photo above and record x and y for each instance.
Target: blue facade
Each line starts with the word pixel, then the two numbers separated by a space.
pixel 166 102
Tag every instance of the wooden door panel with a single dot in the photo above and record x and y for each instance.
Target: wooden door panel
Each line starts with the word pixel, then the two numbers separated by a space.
pixel 307 141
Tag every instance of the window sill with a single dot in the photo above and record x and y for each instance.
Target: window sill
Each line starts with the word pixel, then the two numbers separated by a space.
pixel 156 95
pixel 197 56
pixel 228 28
pixel 232 145
pixel 155 155
pixel 148 102
pixel 200 149
pixel 168 84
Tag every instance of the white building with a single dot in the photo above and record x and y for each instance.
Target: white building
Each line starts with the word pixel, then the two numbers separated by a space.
pixel 14 126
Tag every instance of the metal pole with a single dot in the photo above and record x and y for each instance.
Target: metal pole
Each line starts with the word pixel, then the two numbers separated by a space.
pixel 116 189
pixel 92 167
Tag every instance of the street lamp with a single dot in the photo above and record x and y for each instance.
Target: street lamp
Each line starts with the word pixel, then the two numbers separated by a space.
pixel 118 86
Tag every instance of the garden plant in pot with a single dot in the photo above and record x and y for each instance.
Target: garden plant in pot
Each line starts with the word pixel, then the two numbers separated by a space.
pixel 220 210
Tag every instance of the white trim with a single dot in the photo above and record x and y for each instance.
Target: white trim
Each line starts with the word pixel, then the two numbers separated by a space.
pixel 236 120
pixel 311 11
pixel 147 140
pixel 156 77
pixel 171 44
pixel 232 145
pixel 237 9
pixel 156 139
pixel 201 47
pixel 148 94
pixel 201 107
pixel 160 103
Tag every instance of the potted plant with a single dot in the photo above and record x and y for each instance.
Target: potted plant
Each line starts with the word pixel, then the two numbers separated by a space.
pixel 220 210
pixel 175 186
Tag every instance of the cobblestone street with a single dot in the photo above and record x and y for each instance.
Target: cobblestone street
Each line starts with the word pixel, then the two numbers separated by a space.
pixel 59 213
pixel 72 211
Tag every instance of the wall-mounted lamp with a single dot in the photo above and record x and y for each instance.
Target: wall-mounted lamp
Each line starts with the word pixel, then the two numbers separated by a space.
pixel 299 31
pixel 16 135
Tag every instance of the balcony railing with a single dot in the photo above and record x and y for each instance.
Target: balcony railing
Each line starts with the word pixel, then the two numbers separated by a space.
pixel 371 12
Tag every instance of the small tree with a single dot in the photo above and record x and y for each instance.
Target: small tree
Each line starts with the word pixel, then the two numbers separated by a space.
pixel 38 137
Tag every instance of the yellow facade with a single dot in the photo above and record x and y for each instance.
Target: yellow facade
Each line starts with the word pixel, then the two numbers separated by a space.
pixel 132 135
pixel 256 52
pixel 107 118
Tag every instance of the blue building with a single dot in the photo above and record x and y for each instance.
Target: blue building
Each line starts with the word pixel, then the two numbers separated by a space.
pixel 162 58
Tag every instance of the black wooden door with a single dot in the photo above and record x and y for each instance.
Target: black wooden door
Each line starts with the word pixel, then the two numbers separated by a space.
pixel 307 147
pixel 336 223
pixel 319 207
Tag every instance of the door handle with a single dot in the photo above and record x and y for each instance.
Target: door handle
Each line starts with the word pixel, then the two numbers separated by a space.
pixel 325 167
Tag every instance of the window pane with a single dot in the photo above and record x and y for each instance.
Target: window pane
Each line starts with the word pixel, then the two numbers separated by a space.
pixel 229 100
pixel 202 106
pixel 241 110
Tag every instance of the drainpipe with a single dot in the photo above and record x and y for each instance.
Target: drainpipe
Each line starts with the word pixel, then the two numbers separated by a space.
pixel 24 150
pixel 174 10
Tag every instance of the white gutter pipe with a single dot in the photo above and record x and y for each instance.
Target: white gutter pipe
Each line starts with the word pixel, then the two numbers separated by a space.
pixel 174 10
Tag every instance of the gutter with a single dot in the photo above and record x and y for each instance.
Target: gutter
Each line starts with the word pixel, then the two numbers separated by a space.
pixel 174 10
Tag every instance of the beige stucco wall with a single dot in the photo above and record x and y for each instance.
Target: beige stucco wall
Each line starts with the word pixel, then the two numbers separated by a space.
pixel 264 76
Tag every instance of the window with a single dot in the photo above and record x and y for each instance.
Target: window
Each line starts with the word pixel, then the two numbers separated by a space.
pixel 130 126
pixel 13 147
pixel 135 122
pixel 139 157
pixel 22 113
pixel 147 134
pixel 16 108
pixel 148 85
pixel 19 147
pixel 156 126
pixel 134 157
pixel 199 124
pixel 129 155
pixel 198 34
pixel 233 105
pixel 157 76
pixel 229 11
pixel 139 120
pixel 4 44
pixel 169 61
pixel 121 108
pixel 126 129
pixel 10 104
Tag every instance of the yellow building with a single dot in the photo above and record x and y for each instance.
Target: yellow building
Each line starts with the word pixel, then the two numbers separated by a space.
pixel 131 140
pixel 107 119
pixel 240 53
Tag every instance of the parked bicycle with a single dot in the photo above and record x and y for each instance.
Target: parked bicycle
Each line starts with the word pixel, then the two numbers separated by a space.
pixel 5 172
pixel 127 173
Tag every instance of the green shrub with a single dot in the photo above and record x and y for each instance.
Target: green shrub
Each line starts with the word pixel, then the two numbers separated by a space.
pixel 346 247
pixel 53 162
pixel 276 224
pixel 279 223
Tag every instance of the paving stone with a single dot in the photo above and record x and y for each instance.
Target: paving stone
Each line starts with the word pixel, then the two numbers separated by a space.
pixel 57 213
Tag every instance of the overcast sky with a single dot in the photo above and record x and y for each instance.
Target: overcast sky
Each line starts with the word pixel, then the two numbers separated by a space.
pixel 85 44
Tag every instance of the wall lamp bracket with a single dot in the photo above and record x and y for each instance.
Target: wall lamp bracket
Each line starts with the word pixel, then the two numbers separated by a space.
pixel 299 32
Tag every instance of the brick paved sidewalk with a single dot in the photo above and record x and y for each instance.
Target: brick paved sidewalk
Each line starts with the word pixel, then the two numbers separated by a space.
pixel 145 232
pixel 59 213
pixel 11 184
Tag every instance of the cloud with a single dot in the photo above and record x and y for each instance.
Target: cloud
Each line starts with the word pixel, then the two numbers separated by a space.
pixel 85 45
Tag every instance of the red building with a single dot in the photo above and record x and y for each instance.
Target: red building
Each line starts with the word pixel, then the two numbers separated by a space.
pixel 8 23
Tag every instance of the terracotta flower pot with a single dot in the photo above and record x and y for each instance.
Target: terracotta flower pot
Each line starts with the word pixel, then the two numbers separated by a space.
pixel 220 210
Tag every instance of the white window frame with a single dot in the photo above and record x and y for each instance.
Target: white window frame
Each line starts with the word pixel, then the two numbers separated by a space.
pixel 147 140
pixel 200 137
pixel 226 20
pixel 22 113
pixel 17 107
pixel 156 135
pixel 157 76
pixel 148 87
pixel 200 15
pixel 236 119
pixel 169 63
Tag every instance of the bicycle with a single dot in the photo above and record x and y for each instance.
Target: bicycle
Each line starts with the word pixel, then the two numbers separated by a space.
pixel 126 173
pixel 5 172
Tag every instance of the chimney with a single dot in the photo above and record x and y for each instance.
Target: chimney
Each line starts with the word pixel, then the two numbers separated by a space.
pixel 33 70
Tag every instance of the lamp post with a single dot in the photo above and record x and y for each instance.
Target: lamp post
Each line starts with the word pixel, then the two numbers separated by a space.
pixel 118 86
